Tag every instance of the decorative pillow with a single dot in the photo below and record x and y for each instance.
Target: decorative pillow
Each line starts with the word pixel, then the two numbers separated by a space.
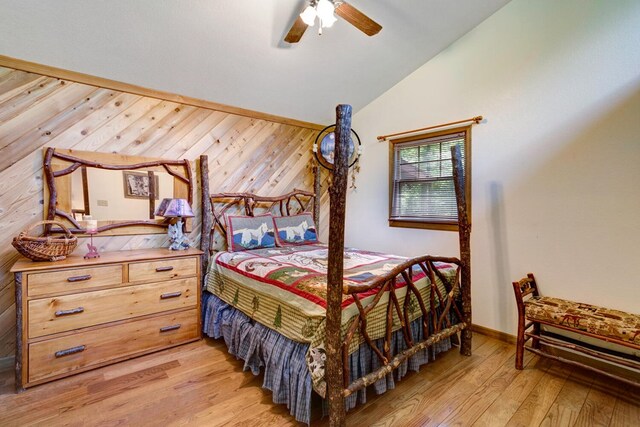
pixel 250 232
pixel 296 229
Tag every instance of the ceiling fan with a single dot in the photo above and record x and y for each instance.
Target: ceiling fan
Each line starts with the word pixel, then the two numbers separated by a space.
pixel 324 10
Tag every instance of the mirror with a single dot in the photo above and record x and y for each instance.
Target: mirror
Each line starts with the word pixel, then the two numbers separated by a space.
pixel 125 198
pixel 120 192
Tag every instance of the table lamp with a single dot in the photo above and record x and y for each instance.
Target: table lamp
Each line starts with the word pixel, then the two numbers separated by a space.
pixel 176 209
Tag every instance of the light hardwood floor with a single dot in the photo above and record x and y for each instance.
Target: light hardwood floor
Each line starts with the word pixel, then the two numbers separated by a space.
pixel 200 384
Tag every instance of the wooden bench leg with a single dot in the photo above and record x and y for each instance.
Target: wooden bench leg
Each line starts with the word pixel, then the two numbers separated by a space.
pixel 520 342
pixel 535 342
pixel 522 288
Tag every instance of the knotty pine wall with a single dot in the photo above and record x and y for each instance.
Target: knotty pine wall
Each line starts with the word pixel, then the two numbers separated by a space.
pixel 260 154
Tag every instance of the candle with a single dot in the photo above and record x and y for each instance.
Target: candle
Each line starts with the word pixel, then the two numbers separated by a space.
pixel 92 226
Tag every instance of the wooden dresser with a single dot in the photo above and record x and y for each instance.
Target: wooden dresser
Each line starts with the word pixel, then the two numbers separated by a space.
pixel 76 314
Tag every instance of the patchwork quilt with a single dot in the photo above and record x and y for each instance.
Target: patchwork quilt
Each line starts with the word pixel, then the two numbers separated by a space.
pixel 285 289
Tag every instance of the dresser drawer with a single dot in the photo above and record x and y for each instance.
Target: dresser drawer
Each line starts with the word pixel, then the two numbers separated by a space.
pixel 68 312
pixel 73 280
pixel 85 349
pixel 163 269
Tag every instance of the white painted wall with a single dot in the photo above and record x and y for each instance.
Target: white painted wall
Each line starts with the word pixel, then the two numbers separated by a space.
pixel 556 164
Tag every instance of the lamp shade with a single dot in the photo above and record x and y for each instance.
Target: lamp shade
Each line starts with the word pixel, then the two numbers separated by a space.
pixel 173 208
pixel 308 16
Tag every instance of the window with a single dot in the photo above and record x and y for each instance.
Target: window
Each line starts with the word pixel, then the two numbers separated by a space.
pixel 421 193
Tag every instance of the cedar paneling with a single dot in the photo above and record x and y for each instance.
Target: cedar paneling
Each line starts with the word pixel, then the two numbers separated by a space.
pixel 246 154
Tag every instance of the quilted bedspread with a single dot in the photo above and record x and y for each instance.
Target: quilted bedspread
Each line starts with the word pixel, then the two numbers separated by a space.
pixel 285 289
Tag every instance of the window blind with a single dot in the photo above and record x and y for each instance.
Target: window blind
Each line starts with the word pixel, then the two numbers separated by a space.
pixel 423 187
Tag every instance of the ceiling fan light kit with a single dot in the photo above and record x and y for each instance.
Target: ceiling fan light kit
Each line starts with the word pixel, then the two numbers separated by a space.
pixel 325 11
pixel 309 15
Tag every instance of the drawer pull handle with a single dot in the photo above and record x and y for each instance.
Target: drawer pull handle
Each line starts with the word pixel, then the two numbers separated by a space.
pixel 170 328
pixel 79 278
pixel 68 312
pixel 72 350
pixel 171 295
pixel 161 269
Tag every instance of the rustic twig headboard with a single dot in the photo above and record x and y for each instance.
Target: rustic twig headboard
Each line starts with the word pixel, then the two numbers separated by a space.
pixel 215 206
pixel 293 203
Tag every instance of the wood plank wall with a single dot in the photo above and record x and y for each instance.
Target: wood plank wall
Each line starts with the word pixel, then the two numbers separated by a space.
pixel 261 154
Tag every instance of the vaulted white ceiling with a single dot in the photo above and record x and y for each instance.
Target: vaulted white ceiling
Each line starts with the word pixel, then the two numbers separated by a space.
pixel 231 51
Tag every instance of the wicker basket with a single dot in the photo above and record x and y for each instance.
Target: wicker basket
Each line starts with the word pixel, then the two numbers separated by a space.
pixel 45 248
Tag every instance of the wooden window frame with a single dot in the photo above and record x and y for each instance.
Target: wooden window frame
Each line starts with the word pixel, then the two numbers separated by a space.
pixel 431 224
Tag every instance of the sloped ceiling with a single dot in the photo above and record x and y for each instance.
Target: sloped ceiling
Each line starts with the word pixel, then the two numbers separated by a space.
pixel 231 51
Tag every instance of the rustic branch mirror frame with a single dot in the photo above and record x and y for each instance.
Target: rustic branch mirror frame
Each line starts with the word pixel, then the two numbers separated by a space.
pixel 61 163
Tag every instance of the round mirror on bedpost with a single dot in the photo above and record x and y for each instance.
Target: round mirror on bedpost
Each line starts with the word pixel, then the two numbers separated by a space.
pixel 325 145
pixel 324 153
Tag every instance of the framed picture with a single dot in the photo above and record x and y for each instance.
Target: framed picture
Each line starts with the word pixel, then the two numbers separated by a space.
pixel 136 185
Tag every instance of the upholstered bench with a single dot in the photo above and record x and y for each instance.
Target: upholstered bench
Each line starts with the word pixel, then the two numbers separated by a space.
pixel 605 324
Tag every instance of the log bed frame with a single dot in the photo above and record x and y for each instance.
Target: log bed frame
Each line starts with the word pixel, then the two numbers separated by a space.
pixel 458 298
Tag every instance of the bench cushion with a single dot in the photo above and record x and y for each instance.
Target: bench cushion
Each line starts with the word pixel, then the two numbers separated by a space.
pixel 595 320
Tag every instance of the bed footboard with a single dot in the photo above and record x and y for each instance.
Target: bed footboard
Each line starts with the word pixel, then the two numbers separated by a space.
pixel 436 313
pixel 335 365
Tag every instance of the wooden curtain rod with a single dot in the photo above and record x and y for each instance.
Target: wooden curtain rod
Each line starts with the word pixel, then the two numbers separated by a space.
pixel 476 119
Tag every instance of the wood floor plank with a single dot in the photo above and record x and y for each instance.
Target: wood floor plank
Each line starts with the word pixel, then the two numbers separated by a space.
pixel 533 410
pixel 485 395
pixel 626 412
pixel 437 411
pixel 406 404
pixel 151 399
pixel 564 411
pixel 508 402
pixel 419 388
pixel 130 398
pixel 201 384
pixel 106 387
pixel 597 409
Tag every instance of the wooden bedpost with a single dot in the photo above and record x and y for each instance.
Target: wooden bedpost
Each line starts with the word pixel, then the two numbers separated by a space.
pixel 317 181
pixel 206 214
pixel 333 340
pixel 464 234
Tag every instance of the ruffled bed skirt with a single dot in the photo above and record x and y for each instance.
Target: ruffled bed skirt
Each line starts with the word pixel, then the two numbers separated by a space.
pixel 285 368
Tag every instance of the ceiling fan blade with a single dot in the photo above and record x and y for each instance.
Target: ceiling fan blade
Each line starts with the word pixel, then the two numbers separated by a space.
pixel 297 30
pixel 358 19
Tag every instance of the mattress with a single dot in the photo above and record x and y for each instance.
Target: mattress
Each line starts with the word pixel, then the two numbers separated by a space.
pixel 285 289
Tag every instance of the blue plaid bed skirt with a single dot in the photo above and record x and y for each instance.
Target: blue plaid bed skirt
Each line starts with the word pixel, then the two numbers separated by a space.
pixel 285 369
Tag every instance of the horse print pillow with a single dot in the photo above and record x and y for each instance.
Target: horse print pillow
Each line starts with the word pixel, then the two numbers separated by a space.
pixel 296 229
pixel 250 232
